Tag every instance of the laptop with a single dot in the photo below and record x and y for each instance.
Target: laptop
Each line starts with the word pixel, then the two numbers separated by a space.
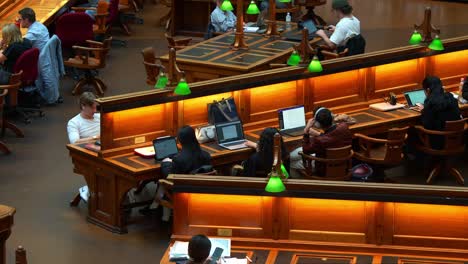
pixel 165 147
pixel 292 121
pixel 415 97
pixel 230 135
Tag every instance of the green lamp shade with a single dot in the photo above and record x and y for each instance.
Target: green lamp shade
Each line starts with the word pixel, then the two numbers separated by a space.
pixel 182 88
pixel 284 171
pixel 285 1
pixel 162 81
pixel 315 65
pixel 227 6
pixel 275 184
pixel 436 44
pixel 416 38
pixel 252 9
pixel 294 59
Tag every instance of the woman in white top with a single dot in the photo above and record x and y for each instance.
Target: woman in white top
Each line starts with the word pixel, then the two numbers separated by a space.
pixel 348 26
pixel 85 126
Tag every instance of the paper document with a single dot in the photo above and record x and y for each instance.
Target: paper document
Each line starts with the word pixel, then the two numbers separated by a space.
pixel 234 261
pixel 251 29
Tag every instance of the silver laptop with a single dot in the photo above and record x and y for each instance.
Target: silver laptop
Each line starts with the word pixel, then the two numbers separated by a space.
pixel 230 135
pixel 292 121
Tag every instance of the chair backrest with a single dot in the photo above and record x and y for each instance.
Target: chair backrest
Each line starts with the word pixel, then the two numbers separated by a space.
pixel 74 29
pixel 113 12
pixel 149 60
pixel 396 138
pixel 28 63
pixel 356 45
pixel 455 135
pixel 338 165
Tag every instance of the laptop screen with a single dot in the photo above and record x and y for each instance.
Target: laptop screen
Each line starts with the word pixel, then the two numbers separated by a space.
pixel 292 117
pixel 229 131
pixel 165 147
pixel 414 97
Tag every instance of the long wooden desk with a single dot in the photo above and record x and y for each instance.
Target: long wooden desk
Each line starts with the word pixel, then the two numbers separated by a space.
pixel 214 58
pixel 347 85
pixel 314 217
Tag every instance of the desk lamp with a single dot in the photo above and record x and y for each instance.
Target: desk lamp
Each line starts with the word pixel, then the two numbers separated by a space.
pixel 252 9
pixel 294 59
pixel 436 44
pixel 162 80
pixel 227 6
pixel 275 182
pixel 182 87
pixel 416 38
pixel 315 65
pixel 427 29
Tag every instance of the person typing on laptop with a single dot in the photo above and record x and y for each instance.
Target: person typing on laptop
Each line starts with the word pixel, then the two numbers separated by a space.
pixel 315 142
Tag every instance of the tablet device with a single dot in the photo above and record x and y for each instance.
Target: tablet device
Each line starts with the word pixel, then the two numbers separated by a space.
pixel 165 147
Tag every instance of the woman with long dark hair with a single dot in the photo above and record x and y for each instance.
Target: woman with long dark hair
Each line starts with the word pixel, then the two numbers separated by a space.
pixel 261 162
pixel 191 156
pixel 438 107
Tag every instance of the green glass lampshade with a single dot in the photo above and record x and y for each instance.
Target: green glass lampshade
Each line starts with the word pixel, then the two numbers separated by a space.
pixel 253 8
pixel 162 81
pixel 285 1
pixel 294 59
pixel 284 171
pixel 315 65
pixel 416 38
pixel 275 184
pixel 227 6
pixel 182 88
pixel 436 44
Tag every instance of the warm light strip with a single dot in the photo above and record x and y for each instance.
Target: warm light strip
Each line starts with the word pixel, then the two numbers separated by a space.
pixel 299 231
pixel 229 227
pixel 431 237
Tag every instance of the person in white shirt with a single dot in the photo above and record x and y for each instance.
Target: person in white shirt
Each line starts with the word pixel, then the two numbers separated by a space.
pixel 222 21
pixel 85 126
pixel 37 33
pixel 348 26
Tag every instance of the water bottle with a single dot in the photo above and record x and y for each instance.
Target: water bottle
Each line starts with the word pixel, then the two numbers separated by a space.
pixel 288 21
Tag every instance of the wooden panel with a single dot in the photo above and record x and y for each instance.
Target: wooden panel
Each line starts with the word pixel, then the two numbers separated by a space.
pixel 103 202
pixel 125 121
pixel 336 89
pixel 322 220
pixel 195 110
pixel 266 100
pixel 396 77
pixel 450 67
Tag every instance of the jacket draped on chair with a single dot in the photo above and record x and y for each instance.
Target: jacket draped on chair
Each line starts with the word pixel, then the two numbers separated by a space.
pixel 50 70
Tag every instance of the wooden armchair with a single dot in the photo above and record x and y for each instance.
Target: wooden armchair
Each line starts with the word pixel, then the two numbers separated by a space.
pixel 382 153
pixel 89 59
pixel 177 43
pixel 337 164
pixel 152 68
pixel 454 144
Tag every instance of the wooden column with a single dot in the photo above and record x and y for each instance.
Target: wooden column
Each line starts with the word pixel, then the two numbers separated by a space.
pixel 6 222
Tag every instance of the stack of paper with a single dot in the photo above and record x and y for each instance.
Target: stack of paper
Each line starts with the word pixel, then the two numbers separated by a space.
pixel 179 250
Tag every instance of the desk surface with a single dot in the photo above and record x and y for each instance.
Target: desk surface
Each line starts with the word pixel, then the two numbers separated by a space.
pixel 216 52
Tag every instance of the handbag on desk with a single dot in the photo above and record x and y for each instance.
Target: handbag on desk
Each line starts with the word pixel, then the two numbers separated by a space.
pixel 205 133
pixel 222 111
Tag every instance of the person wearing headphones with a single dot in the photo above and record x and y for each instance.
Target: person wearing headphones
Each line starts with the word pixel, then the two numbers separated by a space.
pixel 315 142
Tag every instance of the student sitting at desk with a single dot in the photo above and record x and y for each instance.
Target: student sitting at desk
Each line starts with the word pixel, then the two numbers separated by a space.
pixel 438 107
pixel 199 248
pixel 348 26
pixel 261 162
pixel 222 21
pixel 37 33
pixel 12 46
pixel 316 143
pixel 85 126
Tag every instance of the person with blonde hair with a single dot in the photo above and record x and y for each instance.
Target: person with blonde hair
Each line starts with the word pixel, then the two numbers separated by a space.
pixel 13 45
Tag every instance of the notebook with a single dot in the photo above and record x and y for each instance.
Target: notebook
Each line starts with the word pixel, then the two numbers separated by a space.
pixel 292 121
pixel 415 97
pixel 165 147
pixel 230 135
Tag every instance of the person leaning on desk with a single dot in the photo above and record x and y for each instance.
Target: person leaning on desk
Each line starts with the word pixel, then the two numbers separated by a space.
pixel 86 125
pixel 12 46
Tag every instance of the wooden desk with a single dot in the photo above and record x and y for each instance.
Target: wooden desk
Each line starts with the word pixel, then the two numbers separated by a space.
pixel 344 217
pixel 347 85
pixel 213 58
pixel 6 222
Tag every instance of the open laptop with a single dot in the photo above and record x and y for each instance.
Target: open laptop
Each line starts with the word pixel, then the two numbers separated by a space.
pixel 165 147
pixel 415 97
pixel 230 135
pixel 292 121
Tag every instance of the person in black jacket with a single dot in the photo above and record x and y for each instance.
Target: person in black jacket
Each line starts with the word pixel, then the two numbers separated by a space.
pixel 190 158
pixel 261 162
pixel 438 107
pixel 12 46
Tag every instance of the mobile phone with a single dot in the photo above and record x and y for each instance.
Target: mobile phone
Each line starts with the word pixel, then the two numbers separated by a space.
pixel 216 255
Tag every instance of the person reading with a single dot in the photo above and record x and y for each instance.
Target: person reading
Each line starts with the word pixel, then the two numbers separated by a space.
pixel 86 125
pixel 199 248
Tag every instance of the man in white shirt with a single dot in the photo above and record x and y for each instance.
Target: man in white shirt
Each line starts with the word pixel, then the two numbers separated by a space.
pixel 348 26
pixel 222 21
pixel 85 126
pixel 37 33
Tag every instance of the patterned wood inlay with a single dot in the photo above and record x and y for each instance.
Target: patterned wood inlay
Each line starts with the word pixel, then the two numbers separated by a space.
pixel 419 260
pixel 321 258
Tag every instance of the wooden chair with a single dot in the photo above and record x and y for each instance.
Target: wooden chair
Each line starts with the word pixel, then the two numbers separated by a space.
pixel 337 164
pixel 454 137
pixel 383 153
pixel 329 54
pixel 89 59
pixel 152 68
pixel 11 88
pixel 177 43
